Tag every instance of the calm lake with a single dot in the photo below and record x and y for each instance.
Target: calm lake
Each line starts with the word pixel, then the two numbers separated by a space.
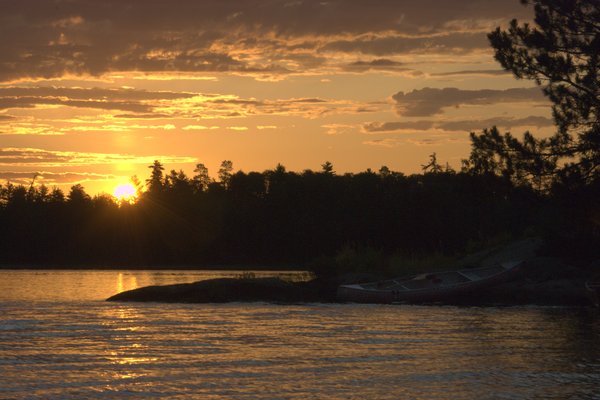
pixel 59 339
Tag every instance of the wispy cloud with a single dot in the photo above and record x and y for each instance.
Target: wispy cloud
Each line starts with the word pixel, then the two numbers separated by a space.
pixel 376 127
pixel 379 64
pixel 472 72
pixel 387 142
pixel 457 125
pixel 430 140
pixel 55 178
pixel 142 104
pixel 34 157
pixel 455 43
pixel 199 127
pixel 337 129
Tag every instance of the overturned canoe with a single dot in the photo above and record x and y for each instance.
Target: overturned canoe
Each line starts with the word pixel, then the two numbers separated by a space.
pixel 438 286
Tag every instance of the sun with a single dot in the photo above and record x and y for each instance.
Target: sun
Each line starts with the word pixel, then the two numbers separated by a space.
pixel 125 193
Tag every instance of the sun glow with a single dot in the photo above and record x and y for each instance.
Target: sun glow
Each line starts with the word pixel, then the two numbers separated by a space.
pixel 125 192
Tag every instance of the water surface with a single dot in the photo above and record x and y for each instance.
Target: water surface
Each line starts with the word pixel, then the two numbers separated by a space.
pixel 59 339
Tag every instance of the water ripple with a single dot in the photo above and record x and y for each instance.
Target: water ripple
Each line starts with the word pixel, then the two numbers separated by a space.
pixel 73 349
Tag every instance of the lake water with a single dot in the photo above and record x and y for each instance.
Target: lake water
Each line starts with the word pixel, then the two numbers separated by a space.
pixel 60 340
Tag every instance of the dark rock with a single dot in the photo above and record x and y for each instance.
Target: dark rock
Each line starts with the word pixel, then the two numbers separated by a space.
pixel 224 290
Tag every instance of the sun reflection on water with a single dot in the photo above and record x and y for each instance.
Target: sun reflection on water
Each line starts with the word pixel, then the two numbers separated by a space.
pixel 122 360
pixel 123 286
pixel 120 282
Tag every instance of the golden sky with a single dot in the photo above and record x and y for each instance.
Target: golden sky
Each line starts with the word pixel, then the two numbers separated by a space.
pixel 92 92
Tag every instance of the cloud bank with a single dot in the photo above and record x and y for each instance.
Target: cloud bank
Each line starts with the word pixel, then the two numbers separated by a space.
pixel 428 101
pixel 49 39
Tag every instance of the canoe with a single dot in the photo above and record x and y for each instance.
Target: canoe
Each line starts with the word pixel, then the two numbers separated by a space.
pixel 429 287
pixel 592 289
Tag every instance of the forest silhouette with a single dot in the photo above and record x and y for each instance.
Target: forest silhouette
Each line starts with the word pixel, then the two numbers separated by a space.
pixel 279 217
pixel 506 189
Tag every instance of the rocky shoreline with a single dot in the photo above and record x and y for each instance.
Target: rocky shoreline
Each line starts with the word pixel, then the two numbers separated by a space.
pixel 542 281
pixel 529 288
pixel 227 290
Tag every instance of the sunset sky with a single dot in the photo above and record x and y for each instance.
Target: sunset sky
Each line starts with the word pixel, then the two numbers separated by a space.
pixel 92 92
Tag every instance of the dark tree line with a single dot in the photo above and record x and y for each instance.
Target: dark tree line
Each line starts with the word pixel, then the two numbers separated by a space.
pixel 273 217
pixel 280 217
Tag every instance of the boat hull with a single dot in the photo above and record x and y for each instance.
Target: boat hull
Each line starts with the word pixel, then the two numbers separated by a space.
pixel 369 293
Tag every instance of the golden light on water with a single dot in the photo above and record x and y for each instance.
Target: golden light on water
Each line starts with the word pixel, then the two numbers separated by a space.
pixel 123 286
pixel 125 193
